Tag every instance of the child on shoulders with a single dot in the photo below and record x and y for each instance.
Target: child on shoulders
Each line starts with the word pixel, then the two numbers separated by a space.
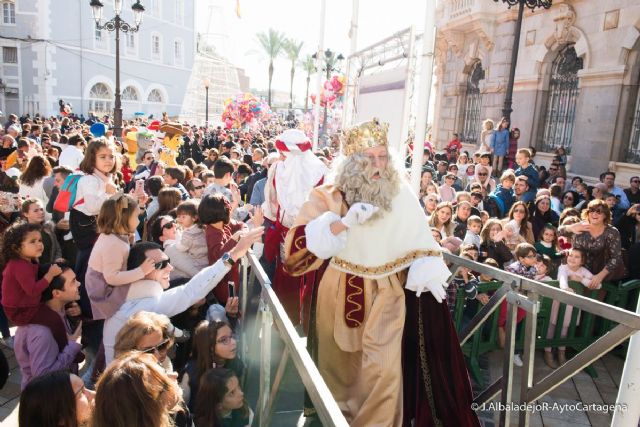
pixel 21 288
pixel 107 279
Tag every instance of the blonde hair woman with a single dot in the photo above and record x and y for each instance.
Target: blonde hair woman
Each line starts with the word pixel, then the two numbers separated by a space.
pixel 441 220
pixel 134 390
pixel 149 333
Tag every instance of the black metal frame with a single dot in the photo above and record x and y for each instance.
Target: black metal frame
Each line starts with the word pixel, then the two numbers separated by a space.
pixel 530 4
pixel 562 99
pixel 472 119
pixel 632 154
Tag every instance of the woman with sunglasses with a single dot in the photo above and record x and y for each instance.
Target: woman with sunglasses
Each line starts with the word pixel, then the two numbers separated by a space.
pixel 168 199
pixel 570 199
pixel 483 177
pixel 518 228
pixel 135 391
pixel 214 346
pixel 147 332
pixel 542 214
pixel 600 242
pixel 153 334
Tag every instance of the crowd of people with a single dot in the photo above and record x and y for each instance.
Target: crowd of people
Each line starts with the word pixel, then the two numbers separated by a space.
pixel 131 268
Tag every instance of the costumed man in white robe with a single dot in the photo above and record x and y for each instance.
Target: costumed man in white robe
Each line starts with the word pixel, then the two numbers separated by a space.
pixel 288 184
pixel 367 239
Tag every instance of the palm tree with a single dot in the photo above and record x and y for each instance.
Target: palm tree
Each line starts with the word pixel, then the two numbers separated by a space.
pixel 308 65
pixel 292 51
pixel 271 42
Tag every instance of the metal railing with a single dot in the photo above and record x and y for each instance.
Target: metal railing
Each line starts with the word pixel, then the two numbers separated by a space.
pixel 518 292
pixel 271 313
pixel 523 293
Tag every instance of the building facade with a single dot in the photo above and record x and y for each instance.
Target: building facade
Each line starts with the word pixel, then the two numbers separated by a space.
pixel 52 50
pixel 576 81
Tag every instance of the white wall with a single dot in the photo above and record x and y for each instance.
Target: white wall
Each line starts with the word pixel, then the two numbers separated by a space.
pixel 381 95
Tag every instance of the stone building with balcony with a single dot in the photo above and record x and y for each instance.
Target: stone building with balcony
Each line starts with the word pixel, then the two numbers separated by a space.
pixel 576 81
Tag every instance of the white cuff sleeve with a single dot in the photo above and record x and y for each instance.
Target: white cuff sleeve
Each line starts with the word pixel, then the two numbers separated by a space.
pixel 428 274
pixel 320 240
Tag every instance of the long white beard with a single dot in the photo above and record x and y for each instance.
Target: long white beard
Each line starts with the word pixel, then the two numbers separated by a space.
pixel 355 179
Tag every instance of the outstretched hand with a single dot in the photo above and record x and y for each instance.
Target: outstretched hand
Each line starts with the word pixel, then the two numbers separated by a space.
pixel 248 239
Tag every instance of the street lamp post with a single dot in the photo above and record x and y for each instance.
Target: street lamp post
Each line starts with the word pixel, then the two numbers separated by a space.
pixel 206 83
pixel 330 65
pixel 117 24
pixel 531 4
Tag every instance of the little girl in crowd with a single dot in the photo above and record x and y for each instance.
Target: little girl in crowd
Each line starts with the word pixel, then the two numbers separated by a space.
pixel 21 289
pixel 33 212
pixel 107 279
pixel 525 266
pixel 543 266
pixel 573 270
pixel 192 239
pixel 547 244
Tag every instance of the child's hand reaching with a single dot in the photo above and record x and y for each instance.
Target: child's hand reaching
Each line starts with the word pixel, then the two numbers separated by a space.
pixel 54 270
pixel 258 217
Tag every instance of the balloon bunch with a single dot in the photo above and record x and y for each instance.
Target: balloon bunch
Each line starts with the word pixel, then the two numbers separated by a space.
pixel 331 92
pixel 244 109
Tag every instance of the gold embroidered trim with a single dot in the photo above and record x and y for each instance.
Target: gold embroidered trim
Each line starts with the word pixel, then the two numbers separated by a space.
pixel 426 375
pixel 360 291
pixel 385 268
pixel 300 243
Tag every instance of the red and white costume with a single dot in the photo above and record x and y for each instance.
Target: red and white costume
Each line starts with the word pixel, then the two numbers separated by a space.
pixel 289 183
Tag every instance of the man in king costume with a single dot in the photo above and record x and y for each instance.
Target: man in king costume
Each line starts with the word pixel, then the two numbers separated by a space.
pixel 380 333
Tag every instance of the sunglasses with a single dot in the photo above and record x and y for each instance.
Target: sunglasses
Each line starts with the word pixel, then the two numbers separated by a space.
pixel 519 211
pixel 199 187
pixel 635 181
pixel 483 174
pixel 163 346
pixel 170 224
pixel 161 264
pixel 596 210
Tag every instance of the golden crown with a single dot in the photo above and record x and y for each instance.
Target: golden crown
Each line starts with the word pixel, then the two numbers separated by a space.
pixel 364 135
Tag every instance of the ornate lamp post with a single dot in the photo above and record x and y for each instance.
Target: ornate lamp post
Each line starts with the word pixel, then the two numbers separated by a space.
pixel 331 61
pixel 206 83
pixel 117 24
pixel 531 4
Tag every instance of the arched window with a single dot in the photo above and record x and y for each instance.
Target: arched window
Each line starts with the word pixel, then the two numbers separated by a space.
pixel 8 12
pixel 130 94
pixel 100 97
pixel 561 105
pixel 155 96
pixel 472 121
